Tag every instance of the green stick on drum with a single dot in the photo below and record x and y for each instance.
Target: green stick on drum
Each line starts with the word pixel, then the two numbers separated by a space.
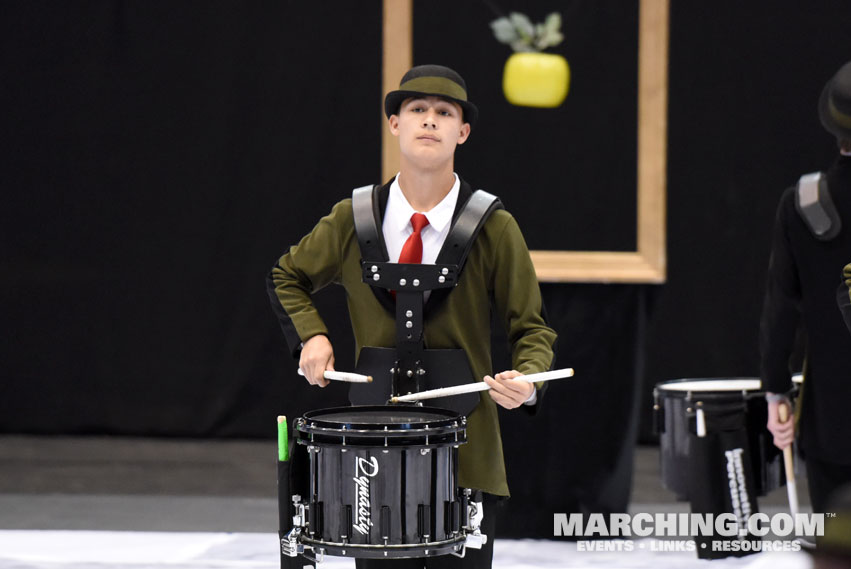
pixel 283 439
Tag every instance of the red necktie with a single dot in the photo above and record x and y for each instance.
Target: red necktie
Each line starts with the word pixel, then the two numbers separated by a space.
pixel 412 250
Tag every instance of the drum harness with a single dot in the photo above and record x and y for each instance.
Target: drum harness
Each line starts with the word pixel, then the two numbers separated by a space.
pixel 410 366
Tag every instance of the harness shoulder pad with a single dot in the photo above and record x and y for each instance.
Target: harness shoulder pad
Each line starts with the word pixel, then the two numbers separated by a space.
pixel 816 208
pixel 469 222
pixel 364 208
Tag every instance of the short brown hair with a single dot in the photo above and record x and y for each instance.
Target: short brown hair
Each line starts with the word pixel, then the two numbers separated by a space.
pixel 844 144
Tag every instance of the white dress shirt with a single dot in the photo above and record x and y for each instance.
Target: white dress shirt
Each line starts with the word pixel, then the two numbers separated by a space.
pixel 397 228
pixel 397 222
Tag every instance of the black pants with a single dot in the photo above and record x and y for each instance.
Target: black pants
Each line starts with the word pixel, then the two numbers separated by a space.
pixel 474 558
pixel 823 479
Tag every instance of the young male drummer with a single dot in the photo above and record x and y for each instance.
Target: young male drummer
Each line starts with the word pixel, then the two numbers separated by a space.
pixel 430 115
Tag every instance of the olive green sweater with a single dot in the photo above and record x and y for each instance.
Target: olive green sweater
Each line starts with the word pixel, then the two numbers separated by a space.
pixel 844 297
pixel 498 268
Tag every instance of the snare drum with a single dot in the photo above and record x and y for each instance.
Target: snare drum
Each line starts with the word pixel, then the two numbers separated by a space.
pixel 695 407
pixel 383 482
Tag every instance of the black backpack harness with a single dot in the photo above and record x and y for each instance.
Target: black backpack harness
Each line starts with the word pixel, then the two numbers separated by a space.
pixel 410 367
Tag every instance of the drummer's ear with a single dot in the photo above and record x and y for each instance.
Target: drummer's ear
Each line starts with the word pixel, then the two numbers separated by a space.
pixel 393 123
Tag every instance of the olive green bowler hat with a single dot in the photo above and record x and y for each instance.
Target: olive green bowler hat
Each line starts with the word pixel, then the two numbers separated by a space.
pixel 431 80
pixel 834 106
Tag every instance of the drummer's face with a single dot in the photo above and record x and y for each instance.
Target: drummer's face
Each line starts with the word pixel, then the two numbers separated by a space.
pixel 429 129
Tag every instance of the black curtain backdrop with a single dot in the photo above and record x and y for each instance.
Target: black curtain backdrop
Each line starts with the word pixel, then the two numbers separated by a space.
pixel 158 157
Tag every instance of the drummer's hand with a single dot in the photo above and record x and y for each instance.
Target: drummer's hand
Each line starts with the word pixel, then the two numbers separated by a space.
pixel 317 355
pixel 784 433
pixel 507 392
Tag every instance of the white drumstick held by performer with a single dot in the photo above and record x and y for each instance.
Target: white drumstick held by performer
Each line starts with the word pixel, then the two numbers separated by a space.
pixel 345 376
pixel 479 386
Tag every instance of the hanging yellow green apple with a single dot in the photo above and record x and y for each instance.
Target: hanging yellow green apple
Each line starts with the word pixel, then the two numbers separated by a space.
pixel 531 78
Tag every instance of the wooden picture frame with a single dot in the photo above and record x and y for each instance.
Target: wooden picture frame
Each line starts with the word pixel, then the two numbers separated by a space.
pixel 648 264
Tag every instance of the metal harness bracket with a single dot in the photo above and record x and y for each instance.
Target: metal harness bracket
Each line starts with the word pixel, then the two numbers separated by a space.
pixel 816 208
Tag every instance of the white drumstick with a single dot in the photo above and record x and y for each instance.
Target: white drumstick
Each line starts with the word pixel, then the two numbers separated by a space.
pixel 479 386
pixel 343 376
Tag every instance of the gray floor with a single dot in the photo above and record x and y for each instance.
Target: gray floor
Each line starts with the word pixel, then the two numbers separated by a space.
pixel 106 483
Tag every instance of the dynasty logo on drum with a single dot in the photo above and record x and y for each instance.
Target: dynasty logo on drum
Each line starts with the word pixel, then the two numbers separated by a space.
pixel 364 470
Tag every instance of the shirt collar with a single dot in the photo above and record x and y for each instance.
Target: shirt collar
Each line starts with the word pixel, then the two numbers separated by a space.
pixel 400 211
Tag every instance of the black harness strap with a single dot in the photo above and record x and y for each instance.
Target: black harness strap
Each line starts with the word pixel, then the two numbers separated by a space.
pixel 365 210
pixel 465 228
pixel 463 233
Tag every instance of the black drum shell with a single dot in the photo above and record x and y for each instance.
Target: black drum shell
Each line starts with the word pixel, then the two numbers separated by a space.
pixel 675 423
pixel 407 471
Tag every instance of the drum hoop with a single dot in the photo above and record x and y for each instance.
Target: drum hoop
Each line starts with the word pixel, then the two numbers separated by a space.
pixel 660 390
pixel 427 431
pixel 343 439
pixel 451 421
pixel 390 546
pixel 451 541
pixel 436 433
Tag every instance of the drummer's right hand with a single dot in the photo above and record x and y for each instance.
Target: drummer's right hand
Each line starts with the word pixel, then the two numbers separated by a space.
pixel 317 356
pixel 784 433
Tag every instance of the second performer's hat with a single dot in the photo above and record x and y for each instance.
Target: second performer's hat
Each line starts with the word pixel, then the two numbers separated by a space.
pixel 834 106
pixel 432 80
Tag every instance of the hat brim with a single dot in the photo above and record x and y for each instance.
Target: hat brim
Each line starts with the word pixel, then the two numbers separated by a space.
pixel 394 100
pixel 828 121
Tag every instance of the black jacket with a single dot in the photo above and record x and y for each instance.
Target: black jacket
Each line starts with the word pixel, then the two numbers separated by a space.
pixel 802 281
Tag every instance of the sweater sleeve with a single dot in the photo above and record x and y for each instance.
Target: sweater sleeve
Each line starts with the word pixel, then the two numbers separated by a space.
pixel 517 300
pixel 306 268
pixel 781 308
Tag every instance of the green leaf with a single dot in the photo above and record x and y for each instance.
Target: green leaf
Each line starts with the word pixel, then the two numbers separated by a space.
pixel 518 31
pixel 549 39
pixel 523 24
pixel 504 30
pixel 553 22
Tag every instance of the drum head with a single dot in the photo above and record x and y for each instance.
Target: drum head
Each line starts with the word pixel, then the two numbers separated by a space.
pixel 373 416
pixel 705 385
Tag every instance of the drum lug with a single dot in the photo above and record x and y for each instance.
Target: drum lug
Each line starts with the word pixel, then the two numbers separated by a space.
pixel 290 545
pixel 299 519
pixel 658 419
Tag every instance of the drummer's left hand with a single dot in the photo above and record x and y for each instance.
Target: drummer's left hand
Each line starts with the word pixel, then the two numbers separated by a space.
pixel 506 391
